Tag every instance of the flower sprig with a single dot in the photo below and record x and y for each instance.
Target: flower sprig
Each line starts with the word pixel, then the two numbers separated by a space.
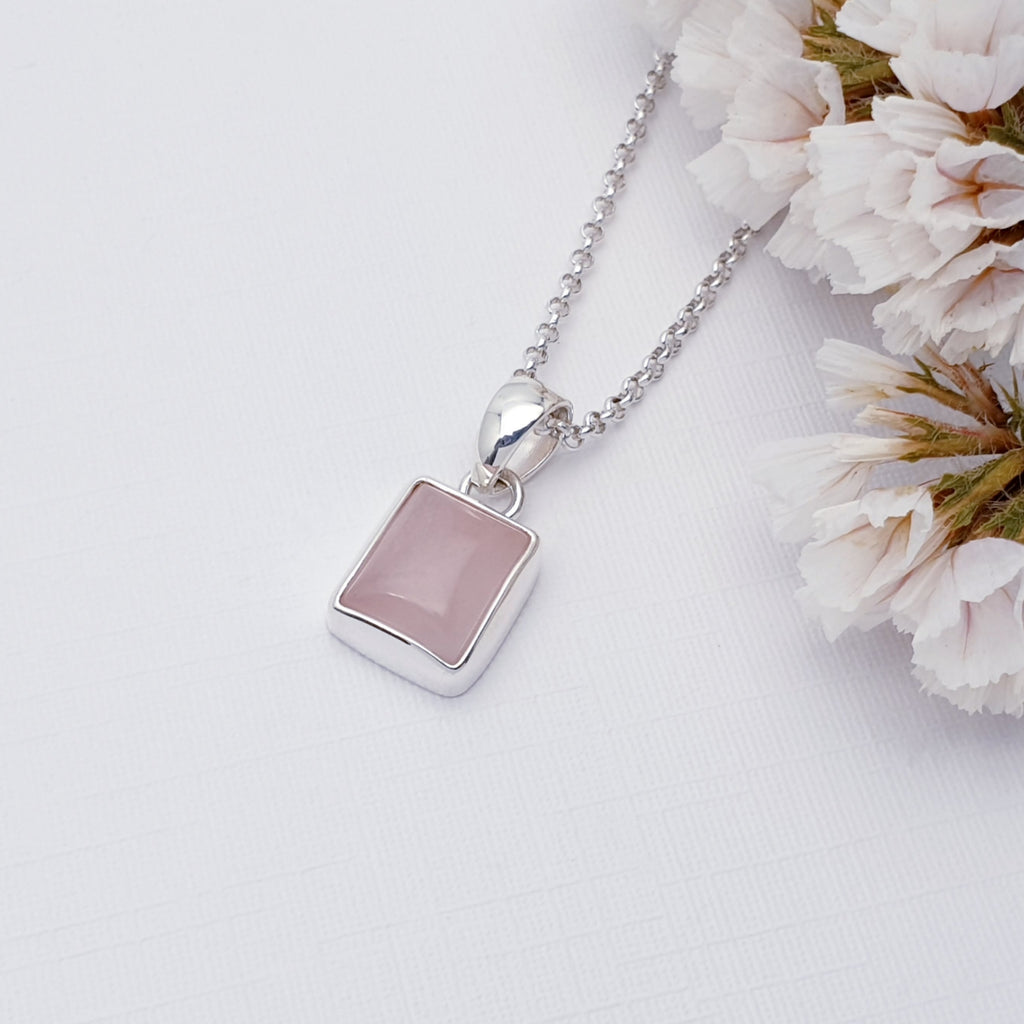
pixel 941 557
pixel 892 134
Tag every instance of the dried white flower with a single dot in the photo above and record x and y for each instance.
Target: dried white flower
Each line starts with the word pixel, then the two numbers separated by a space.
pixel 741 62
pixel 975 302
pixel 862 179
pixel 894 132
pixel 964 608
pixel 969 56
pixel 724 42
pixel 762 158
pixel 706 68
pixel 968 186
pixel 861 554
pixel 942 559
pixel 804 473
pixel 856 376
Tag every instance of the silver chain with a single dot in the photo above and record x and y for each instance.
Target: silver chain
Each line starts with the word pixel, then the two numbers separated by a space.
pixel 634 387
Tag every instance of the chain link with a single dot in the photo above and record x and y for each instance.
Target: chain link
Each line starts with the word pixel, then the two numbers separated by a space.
pixel 572 435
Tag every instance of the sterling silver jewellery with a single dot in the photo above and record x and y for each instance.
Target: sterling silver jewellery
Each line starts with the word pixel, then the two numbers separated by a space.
pixel 441 583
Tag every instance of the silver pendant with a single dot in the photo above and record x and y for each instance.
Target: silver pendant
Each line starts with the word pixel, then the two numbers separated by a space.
pixel 441 583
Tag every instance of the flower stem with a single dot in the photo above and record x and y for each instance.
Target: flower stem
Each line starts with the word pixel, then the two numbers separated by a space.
pixel 962 497
pixel 929 387
pixel 977 389
pixel 937 440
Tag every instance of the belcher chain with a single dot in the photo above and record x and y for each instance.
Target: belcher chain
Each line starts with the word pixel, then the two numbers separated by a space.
pixel 572 435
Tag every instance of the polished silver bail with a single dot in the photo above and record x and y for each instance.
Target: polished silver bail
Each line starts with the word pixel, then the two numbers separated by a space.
pixel 511 433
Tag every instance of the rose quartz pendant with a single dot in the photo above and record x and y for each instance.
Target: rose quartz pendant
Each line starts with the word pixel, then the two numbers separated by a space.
pixel 442 582
pixel 438 588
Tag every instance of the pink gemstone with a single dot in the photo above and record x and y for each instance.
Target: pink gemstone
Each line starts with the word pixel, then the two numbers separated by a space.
pixel 436 571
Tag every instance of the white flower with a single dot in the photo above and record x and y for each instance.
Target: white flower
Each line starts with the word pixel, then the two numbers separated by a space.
pixel 798 244
pixel 931 601
pixel 662 19
pixel 898 202
pixel 968 186
pixel 963 606
pixel 741 62
pixel 884 24
pixel 804 474
pixel 856 376
pixel 944 559
pixel 705 68
pixel 723 42
pixel 931 186
pixel 856 201
pixel 873 450
pixel 861 553
pixel 762 159
pixel 976 302
pixel 969 56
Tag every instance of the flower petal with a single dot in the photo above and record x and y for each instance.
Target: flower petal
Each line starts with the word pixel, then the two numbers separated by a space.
pixel 884 24
pixel 723 172
pixel 1004 697
pixel 979 294
pixel 965 186
pixel 803 474
pixel 855 375
pixel 705 69
pixel 984 644
pixel 967 56
pixel 929 602
pixel 863 549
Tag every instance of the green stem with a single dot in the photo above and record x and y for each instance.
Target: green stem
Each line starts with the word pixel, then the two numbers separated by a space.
pixel 961 497
pixel 931 388
pixel 942 440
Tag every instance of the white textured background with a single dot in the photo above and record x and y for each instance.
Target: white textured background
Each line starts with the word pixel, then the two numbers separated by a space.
pixel 260 265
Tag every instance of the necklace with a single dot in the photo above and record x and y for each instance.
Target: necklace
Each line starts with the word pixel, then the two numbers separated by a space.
pixel 441 583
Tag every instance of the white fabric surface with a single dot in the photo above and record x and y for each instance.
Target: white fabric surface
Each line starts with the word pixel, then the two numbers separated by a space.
pixel 261 265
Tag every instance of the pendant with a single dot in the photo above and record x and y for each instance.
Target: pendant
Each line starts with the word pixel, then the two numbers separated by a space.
pixel 441 583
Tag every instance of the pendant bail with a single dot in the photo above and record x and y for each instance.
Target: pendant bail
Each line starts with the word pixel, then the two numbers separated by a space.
pixel 511 432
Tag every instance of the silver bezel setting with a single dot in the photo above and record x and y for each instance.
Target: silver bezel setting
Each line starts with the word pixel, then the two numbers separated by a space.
pixel 411 659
